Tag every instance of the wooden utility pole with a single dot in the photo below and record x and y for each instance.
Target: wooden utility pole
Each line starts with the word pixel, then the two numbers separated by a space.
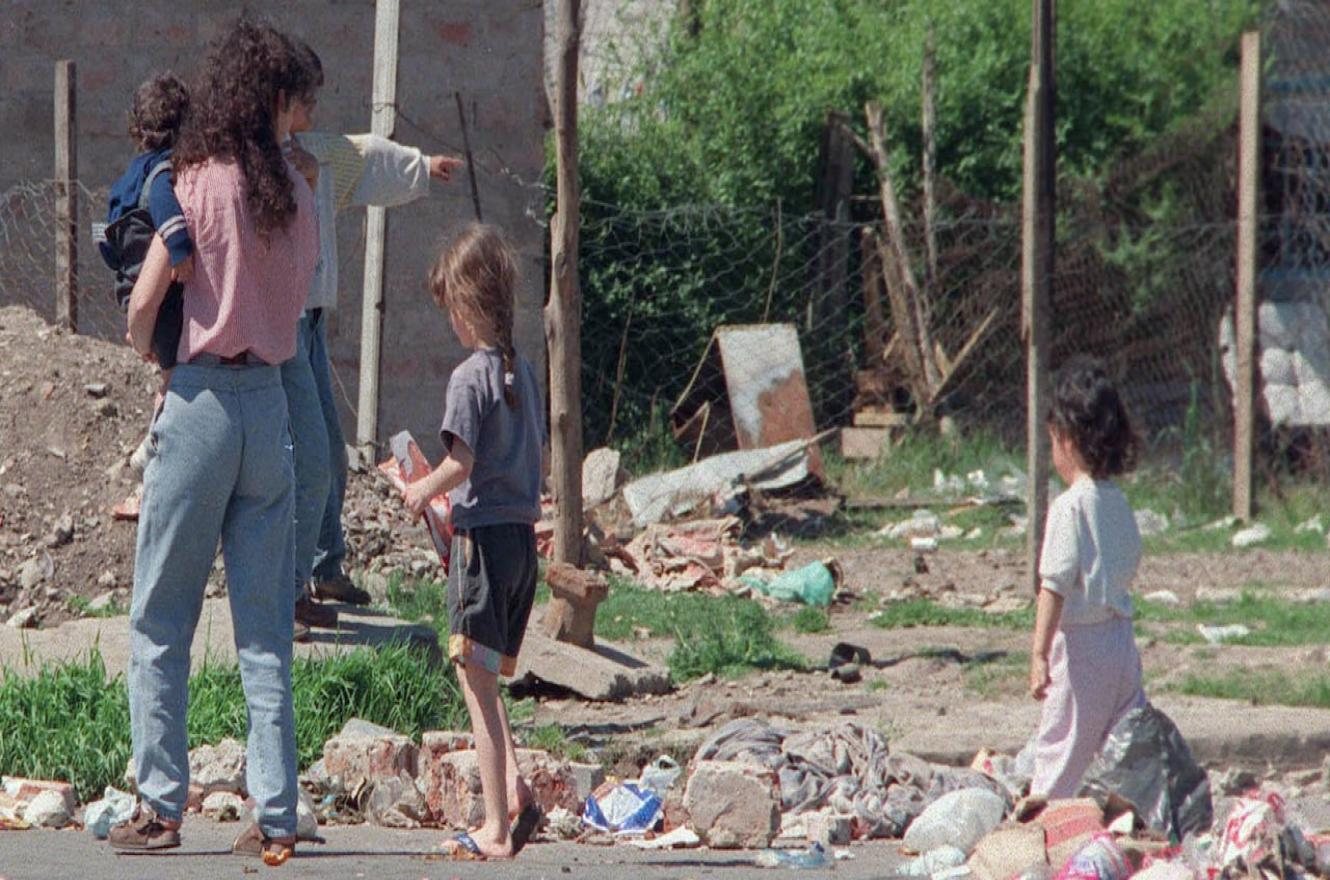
pixel 563 314
pixel 66 197
pixel 1037 239
pixel 1245 323
pixel 383 120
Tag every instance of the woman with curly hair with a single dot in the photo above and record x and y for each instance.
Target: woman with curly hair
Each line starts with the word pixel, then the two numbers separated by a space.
pixel 223 466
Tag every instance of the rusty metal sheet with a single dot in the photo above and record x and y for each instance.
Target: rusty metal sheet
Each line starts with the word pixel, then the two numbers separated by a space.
pixel 764 380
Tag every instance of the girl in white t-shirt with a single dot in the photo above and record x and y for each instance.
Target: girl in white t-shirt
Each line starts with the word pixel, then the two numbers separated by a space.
pixel 1084 665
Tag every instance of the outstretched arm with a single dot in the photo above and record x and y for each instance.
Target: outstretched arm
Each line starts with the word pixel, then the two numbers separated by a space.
pixel 395 175
pixel 146 298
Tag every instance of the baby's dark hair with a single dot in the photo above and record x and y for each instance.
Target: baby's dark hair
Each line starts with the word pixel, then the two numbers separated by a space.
pixel 159 109
pixel 1088 409
pixel 313 69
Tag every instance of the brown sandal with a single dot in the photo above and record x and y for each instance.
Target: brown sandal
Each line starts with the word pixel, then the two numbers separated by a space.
pixel 273 850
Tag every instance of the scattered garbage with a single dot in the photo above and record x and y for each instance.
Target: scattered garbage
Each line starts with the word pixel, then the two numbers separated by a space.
pixel 1251 536
pixel 699 555
pixel 622 808
pixel 959 819
pixel 933 862
pixel 924 523
pixel 814 584
pixel 1150 523
pixel 1227 522
pixel 811 858
pixel 659 776
pixel 1100 859
pixel 1163 597
pixel 223 806
pixel 1217 635
pixel 657 497
pixel 100 816
pixel 682 837
pixel 1315 524
pixel 923 545
pixel 1146 762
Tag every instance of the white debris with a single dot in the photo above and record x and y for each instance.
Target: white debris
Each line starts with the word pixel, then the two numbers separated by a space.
pixel 1252 535
pixel 1217 635
pixel 1149 522
pixel 923 524
pixel 950 533
pixel 1314 524
pixel 1163 597
pixel 47 810
pixel 1218 525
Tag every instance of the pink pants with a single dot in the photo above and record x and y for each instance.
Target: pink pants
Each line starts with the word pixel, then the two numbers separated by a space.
pixel 1096 679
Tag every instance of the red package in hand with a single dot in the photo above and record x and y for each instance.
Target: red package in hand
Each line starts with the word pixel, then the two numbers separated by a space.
pixel 407 465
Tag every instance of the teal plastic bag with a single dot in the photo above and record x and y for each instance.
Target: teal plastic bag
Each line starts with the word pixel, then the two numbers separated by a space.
pixel 814 584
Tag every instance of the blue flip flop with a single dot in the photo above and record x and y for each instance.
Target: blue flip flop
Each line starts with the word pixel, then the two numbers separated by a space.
pixel 467 850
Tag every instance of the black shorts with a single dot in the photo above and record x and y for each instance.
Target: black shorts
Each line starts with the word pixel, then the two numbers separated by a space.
pixel 491 585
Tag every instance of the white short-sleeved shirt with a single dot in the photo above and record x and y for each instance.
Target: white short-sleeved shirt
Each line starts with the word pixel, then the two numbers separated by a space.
pixel 1092 549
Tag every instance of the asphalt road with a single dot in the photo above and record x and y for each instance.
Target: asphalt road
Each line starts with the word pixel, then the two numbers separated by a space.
pixel 354 852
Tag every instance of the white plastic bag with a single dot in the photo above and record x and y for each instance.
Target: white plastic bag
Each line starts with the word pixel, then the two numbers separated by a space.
pixel 959 819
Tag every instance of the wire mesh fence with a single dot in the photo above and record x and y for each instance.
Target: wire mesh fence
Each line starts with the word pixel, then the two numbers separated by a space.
pixel 1144 278
pixel 28 257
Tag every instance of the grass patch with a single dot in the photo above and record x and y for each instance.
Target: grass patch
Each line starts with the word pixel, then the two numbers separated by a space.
pixel 1261 687
pixel 735 637
pixel 809 620
pixel 1273 621
pixel 924 612
pixel 82 606
pixel 418 601
pixel 71 721
pixel 553 739
pixel 1000 674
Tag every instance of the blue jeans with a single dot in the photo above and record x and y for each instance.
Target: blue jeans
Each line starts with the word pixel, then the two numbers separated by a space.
pixel 331 550
pixel 223 470
pixel 310 434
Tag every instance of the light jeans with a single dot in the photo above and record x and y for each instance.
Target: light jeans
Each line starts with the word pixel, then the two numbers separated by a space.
pixel 223 471
pixel 331 552
pixel 310 435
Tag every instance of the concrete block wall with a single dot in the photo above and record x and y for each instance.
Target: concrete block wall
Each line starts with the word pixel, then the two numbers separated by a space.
pixel 488 50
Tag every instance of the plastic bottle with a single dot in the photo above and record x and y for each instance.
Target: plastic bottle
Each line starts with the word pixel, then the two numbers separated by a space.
pixel 813 857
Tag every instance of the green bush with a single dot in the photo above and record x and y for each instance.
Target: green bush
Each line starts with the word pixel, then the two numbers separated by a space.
pixel 733 117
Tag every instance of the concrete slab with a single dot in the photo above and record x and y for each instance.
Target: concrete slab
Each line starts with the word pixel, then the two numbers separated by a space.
pixel 24 651
pixel 603 672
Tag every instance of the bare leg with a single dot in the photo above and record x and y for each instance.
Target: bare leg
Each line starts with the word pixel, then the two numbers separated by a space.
pixel 519 793
pixel 481 689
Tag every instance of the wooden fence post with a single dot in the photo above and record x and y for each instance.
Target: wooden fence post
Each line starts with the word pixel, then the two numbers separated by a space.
pixel 1037 241
pixel 383 119
pixel 66 196
pixel 1245 322
pixel 563 314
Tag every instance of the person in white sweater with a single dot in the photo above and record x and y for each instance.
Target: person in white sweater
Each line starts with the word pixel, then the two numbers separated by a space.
pixel 353 170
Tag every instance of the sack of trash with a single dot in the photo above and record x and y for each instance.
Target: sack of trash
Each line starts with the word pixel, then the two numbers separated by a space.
pixel 1146 762
pixel 623 809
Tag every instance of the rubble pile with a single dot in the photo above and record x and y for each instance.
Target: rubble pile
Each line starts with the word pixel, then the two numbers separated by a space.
pixel 72 410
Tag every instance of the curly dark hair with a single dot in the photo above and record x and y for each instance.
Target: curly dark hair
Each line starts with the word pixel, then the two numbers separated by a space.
pixel 159 109
pixel 247 70
pixel 1088 409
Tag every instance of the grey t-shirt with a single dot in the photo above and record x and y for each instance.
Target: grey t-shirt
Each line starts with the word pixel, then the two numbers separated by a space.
pixel 504 486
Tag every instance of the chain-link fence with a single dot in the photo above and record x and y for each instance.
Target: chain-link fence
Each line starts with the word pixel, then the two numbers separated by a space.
pixel 28 257
pixel 1144 278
